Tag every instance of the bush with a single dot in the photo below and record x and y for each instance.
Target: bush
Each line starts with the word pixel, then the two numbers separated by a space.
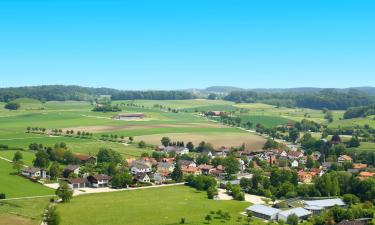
pixel 12 105
pixel 2 196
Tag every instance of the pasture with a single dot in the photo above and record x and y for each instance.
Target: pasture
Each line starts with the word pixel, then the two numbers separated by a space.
pixel 157 206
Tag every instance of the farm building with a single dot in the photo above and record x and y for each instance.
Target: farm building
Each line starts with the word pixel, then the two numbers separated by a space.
pixel 317 206
pixel 32 172
pixel 263 212
pixel 75 183
pixel 300 212
pixel 129 116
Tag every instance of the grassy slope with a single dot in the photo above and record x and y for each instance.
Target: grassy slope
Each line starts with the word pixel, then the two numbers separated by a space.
pixel 15 186
pixel 159 206
pixel 23 211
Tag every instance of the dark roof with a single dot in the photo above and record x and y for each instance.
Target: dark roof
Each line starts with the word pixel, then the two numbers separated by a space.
pixel 31 170
pixel 71 167
pixel 85 157
pixel 100 177
pixel 77 181
pixel 184 162
pixel 352 222
pixel 140 176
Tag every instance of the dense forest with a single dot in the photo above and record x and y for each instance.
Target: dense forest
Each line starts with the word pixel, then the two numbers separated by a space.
pixel 327 98
pixel 77 93
pixel 363 111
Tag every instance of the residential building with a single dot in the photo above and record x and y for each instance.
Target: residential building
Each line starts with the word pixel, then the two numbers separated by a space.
pixel 33 172
pixel 76 183
pixel 140 168
pixel 344 158
pixel 99 180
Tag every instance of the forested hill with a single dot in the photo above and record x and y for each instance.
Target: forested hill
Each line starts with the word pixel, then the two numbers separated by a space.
pixel 78 93
pixel 326 98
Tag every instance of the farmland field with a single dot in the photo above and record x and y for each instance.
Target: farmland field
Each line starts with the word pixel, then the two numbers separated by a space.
pixel 252 141
pixel 79 117
pixel 158 206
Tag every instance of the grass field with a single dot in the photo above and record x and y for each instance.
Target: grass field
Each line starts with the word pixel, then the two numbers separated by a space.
pixel 15 186
pixel 158 206
pixel 23 211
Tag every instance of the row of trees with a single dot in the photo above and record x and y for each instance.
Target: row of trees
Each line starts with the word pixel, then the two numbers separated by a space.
pixel 328 98
pixel 77 93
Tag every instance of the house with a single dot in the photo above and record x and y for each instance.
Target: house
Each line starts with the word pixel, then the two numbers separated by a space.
pixel 282 153
pixel 316 172
pixel 216 113
pixel 99 180
pixel 344 158
pixel 316 155
pixel 295 154
pixel 188 163
pixel 359 166
pixel 86 159
pixel 71 169
pixel 178 150
pixel 191 170
pixel 302 214
pixel 318 206
pixel 305 177
pixel 160 177
pixel 138 167
pixel 295 163
pixel 206 169
pixel 241 164
pixel 365 175
pixel 263 212
pixel 150 160
pixel 33 172
pixel 142 177
pixel 128 116
pixel 166 166
pixel 76 183
pixel 326 165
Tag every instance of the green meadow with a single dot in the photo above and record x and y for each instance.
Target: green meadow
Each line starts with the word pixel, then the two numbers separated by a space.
pixel 157 206
pixel 15 186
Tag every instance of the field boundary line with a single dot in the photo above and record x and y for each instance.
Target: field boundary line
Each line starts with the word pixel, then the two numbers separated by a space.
pixel 30 197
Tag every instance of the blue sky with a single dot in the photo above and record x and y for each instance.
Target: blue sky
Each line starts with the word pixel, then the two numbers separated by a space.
pixel 188 43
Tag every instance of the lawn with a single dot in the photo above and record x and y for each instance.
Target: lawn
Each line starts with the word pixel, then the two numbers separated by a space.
pixel 16 186
pixel 23 211
pixel 158 206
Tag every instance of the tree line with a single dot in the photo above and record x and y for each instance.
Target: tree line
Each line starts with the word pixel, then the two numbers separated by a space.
pixel 78 93
pixel 327 98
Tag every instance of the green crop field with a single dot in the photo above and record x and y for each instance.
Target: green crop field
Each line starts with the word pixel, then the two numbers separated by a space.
pixel 16 186
pixel 157 206
pixel 22 211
